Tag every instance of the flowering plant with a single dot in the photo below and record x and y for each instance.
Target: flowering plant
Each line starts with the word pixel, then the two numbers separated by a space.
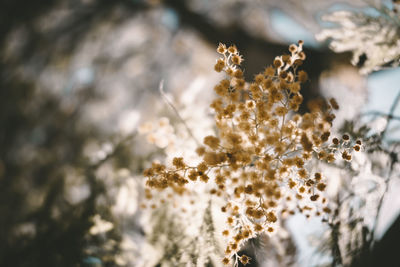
pixel 260 162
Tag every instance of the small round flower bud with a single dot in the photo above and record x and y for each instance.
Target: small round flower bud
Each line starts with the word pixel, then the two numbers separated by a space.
pixel 244 259
pixel 278 62
pixel 333 103
pixel 221 48
pixel 237 59
pixel 292 48
pixel 302 55
pixel 232 49
pixel 225 261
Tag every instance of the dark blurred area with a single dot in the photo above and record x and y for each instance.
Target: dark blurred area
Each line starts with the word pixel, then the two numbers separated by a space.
pixel 42 140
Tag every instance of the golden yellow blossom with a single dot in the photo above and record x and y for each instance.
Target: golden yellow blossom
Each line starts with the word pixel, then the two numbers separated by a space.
pixel 258 158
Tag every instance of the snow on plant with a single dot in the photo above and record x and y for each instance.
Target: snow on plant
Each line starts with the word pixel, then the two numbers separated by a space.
pixel 261 161
pixel 373 37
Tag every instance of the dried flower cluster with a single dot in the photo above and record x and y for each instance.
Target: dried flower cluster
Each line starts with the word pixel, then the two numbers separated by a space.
pixel 259 162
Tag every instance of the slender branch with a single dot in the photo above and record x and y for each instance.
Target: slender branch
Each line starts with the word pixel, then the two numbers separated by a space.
pixel 164 96
pixel 379 208
pixel 391 113
pixel 335 233
pixel 394 159
pixel 379 113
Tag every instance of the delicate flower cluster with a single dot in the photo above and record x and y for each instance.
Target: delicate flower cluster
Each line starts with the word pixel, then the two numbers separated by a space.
pixel 260 160
pixel 159 133
pixel 373 38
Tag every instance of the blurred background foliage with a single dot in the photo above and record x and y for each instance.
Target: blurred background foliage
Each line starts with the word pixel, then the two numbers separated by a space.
pixel 78 77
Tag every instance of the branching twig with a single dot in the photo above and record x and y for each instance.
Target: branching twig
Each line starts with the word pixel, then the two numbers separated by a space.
pixel 394 159
pixel 379 113
pixel 335 233
pixel 391 113
pixel 379 208
pixel 164 96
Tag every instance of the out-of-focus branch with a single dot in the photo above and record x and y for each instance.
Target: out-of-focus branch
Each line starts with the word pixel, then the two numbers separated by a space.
pixel 164 96
pixel 383 114
pixel 390 116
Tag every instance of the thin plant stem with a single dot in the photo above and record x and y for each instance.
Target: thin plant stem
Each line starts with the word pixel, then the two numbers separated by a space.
pixel 390 116
pixel 164 96
pixel 379 208
pixel 391 113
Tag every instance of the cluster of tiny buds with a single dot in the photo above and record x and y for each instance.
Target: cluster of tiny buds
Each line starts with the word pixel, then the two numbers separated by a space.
pixel 259 163
pixel 347 146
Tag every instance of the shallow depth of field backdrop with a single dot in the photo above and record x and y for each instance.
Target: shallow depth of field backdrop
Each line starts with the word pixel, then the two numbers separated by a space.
pixel 93 91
